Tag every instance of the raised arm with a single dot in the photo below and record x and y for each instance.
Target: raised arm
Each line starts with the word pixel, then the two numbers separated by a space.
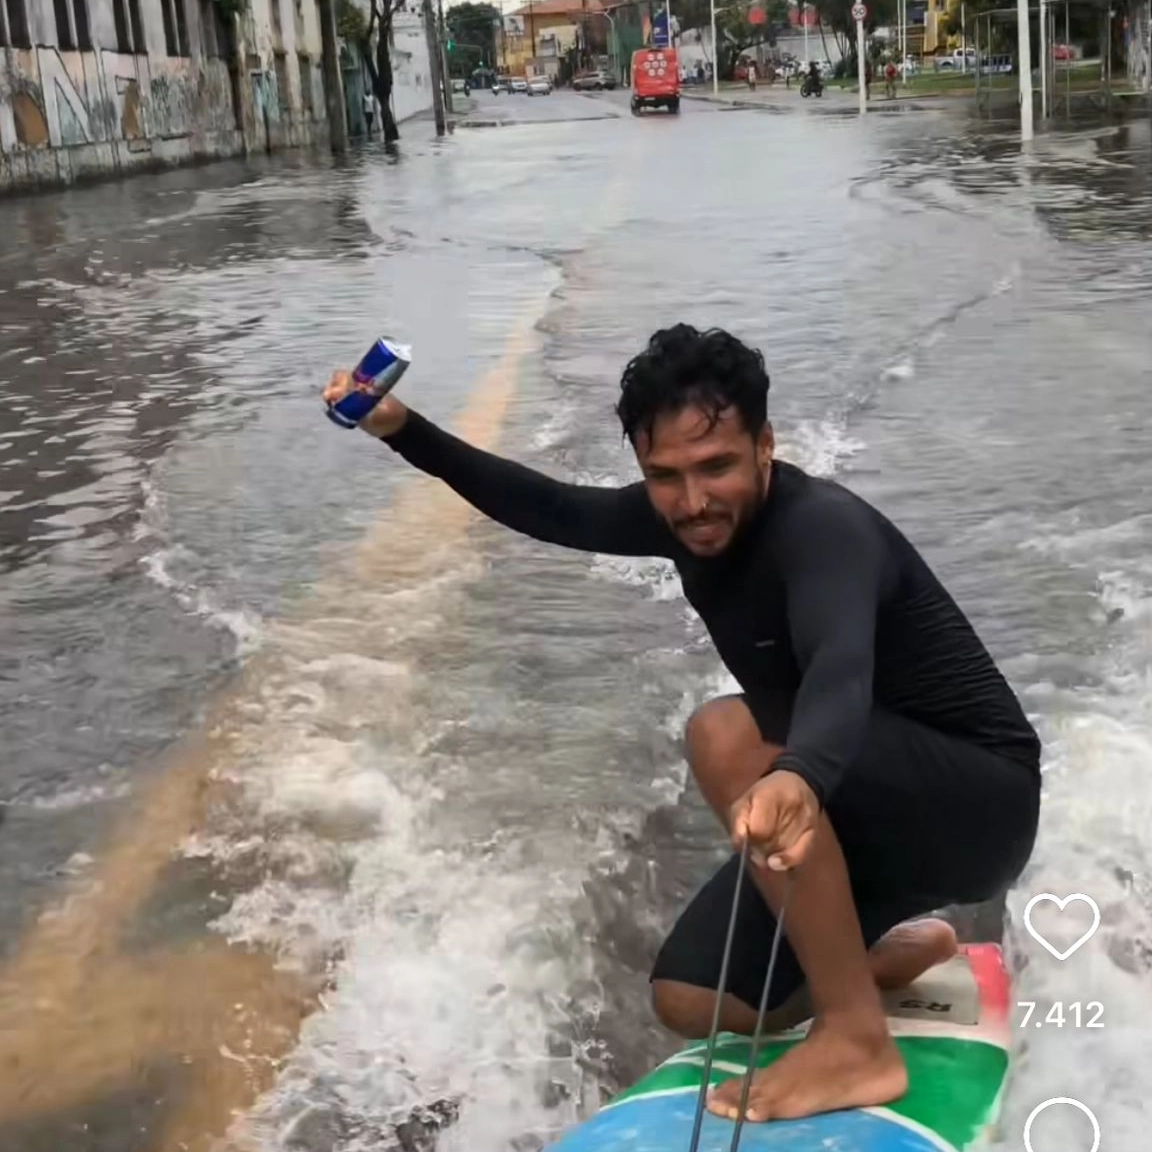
pixel 835 568
pixel 620 521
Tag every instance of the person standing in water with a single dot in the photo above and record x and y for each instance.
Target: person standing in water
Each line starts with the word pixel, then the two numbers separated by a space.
pixel 876 753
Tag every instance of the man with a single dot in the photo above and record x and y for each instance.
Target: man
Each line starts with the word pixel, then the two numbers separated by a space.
pixel 876 754
pixel 890 80
pixel 369 111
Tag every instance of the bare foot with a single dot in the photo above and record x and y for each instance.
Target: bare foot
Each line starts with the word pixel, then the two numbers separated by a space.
pixel 896 960
pixel 835 1067
pixel 909 950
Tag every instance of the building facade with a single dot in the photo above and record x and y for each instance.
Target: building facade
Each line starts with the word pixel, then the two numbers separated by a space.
pixel 1137 31
pixel 102 87
pixel 411 71
pixel 552 37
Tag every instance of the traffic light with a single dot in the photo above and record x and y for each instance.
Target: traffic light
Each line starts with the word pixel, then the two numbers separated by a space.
pixel 451 44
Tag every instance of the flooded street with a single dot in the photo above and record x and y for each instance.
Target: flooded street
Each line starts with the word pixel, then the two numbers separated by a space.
pixel 333 813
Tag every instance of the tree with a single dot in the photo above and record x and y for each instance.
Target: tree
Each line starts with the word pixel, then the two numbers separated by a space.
pixel 472 30
pixel 735 31
pixel 353 29
pixel 835 16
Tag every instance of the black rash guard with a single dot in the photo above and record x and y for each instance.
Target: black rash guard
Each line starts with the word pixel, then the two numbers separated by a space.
pixel 820 601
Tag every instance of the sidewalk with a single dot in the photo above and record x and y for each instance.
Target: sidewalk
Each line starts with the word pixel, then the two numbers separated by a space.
pixel 764 96
pixel 779 97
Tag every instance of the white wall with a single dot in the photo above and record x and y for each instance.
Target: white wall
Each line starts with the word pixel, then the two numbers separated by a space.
pixel 411 70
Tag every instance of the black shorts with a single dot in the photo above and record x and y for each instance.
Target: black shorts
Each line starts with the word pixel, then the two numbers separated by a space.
pixel 924 819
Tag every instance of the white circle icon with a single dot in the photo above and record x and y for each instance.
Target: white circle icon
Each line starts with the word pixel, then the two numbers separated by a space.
pixel 1051 1103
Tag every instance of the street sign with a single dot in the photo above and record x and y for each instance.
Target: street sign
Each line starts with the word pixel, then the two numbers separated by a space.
pixel 660 29
pixel 859 12
pixel 757 15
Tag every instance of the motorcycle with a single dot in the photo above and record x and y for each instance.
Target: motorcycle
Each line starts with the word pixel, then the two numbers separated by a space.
pixel 811 86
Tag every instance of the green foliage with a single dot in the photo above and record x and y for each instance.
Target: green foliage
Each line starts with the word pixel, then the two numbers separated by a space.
pixel 837 15
pixel 734 30
pixel 463 60
pixel 351 25
pixel 473 26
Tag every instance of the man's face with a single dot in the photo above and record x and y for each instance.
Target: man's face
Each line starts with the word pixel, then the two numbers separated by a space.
pixel 705 482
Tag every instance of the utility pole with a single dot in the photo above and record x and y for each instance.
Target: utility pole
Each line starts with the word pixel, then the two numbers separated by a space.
pixel 435 62
pixel 861 65
pixel 1043 60
pixel 445 73
pixel 860 14
pixel 330 67
pixel 1024 56
pixel 715 52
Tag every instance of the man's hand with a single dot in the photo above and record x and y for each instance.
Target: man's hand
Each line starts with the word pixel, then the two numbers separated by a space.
pixel 777 816
pixel 387 417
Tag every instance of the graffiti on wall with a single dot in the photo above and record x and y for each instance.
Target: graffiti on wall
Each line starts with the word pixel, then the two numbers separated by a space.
pixel 55 99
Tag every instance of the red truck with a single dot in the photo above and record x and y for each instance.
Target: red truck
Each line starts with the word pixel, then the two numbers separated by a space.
pixel 655 79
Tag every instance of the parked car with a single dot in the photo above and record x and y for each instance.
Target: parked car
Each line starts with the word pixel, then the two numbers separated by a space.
pixel 593 81
pixel 539 86
pixel 519 84
pixel 962 59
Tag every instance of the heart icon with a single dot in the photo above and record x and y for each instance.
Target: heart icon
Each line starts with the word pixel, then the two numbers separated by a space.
pixel 1062 903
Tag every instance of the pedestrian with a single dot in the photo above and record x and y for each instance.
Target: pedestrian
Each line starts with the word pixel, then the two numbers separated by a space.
pixel 751 75
pixel 369 111
pixel 876 763
pixel 890 80
pixel 868 79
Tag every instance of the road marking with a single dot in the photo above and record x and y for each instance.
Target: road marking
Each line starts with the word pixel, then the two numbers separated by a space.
pixel 81 1016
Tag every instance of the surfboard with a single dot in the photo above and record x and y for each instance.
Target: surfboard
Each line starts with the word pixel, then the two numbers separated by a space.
pixel 952 1027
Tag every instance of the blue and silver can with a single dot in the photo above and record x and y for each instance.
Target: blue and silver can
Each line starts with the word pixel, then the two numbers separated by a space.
pixel 375 376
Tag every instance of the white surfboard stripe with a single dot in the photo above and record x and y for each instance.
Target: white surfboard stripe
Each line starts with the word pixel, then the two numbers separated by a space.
pixel 933 1138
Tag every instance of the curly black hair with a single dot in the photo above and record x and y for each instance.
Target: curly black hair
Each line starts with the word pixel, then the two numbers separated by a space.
pixel 683 366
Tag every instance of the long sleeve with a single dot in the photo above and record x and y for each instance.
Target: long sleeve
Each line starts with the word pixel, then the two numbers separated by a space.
pixel 619 521
pixel 834 567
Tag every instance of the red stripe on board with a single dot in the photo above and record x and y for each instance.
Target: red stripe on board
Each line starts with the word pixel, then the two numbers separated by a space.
pixel 987 962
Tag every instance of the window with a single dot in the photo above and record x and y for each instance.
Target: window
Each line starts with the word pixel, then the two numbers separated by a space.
pixel 277 21
pixel 280 62
pixel 181 28
pixel 14 30
pixel 72 25
pixel 175 28
pixel 306 85
pixel 129 27
pixel 215 34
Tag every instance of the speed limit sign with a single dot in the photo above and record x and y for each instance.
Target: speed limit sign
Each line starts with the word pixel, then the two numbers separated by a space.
pixel 859 12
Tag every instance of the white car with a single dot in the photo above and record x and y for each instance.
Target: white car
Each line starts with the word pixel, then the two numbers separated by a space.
pixel 539 86
pixel 519 84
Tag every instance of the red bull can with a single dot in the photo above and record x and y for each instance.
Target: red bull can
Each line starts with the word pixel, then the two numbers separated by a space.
pixel 374 377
